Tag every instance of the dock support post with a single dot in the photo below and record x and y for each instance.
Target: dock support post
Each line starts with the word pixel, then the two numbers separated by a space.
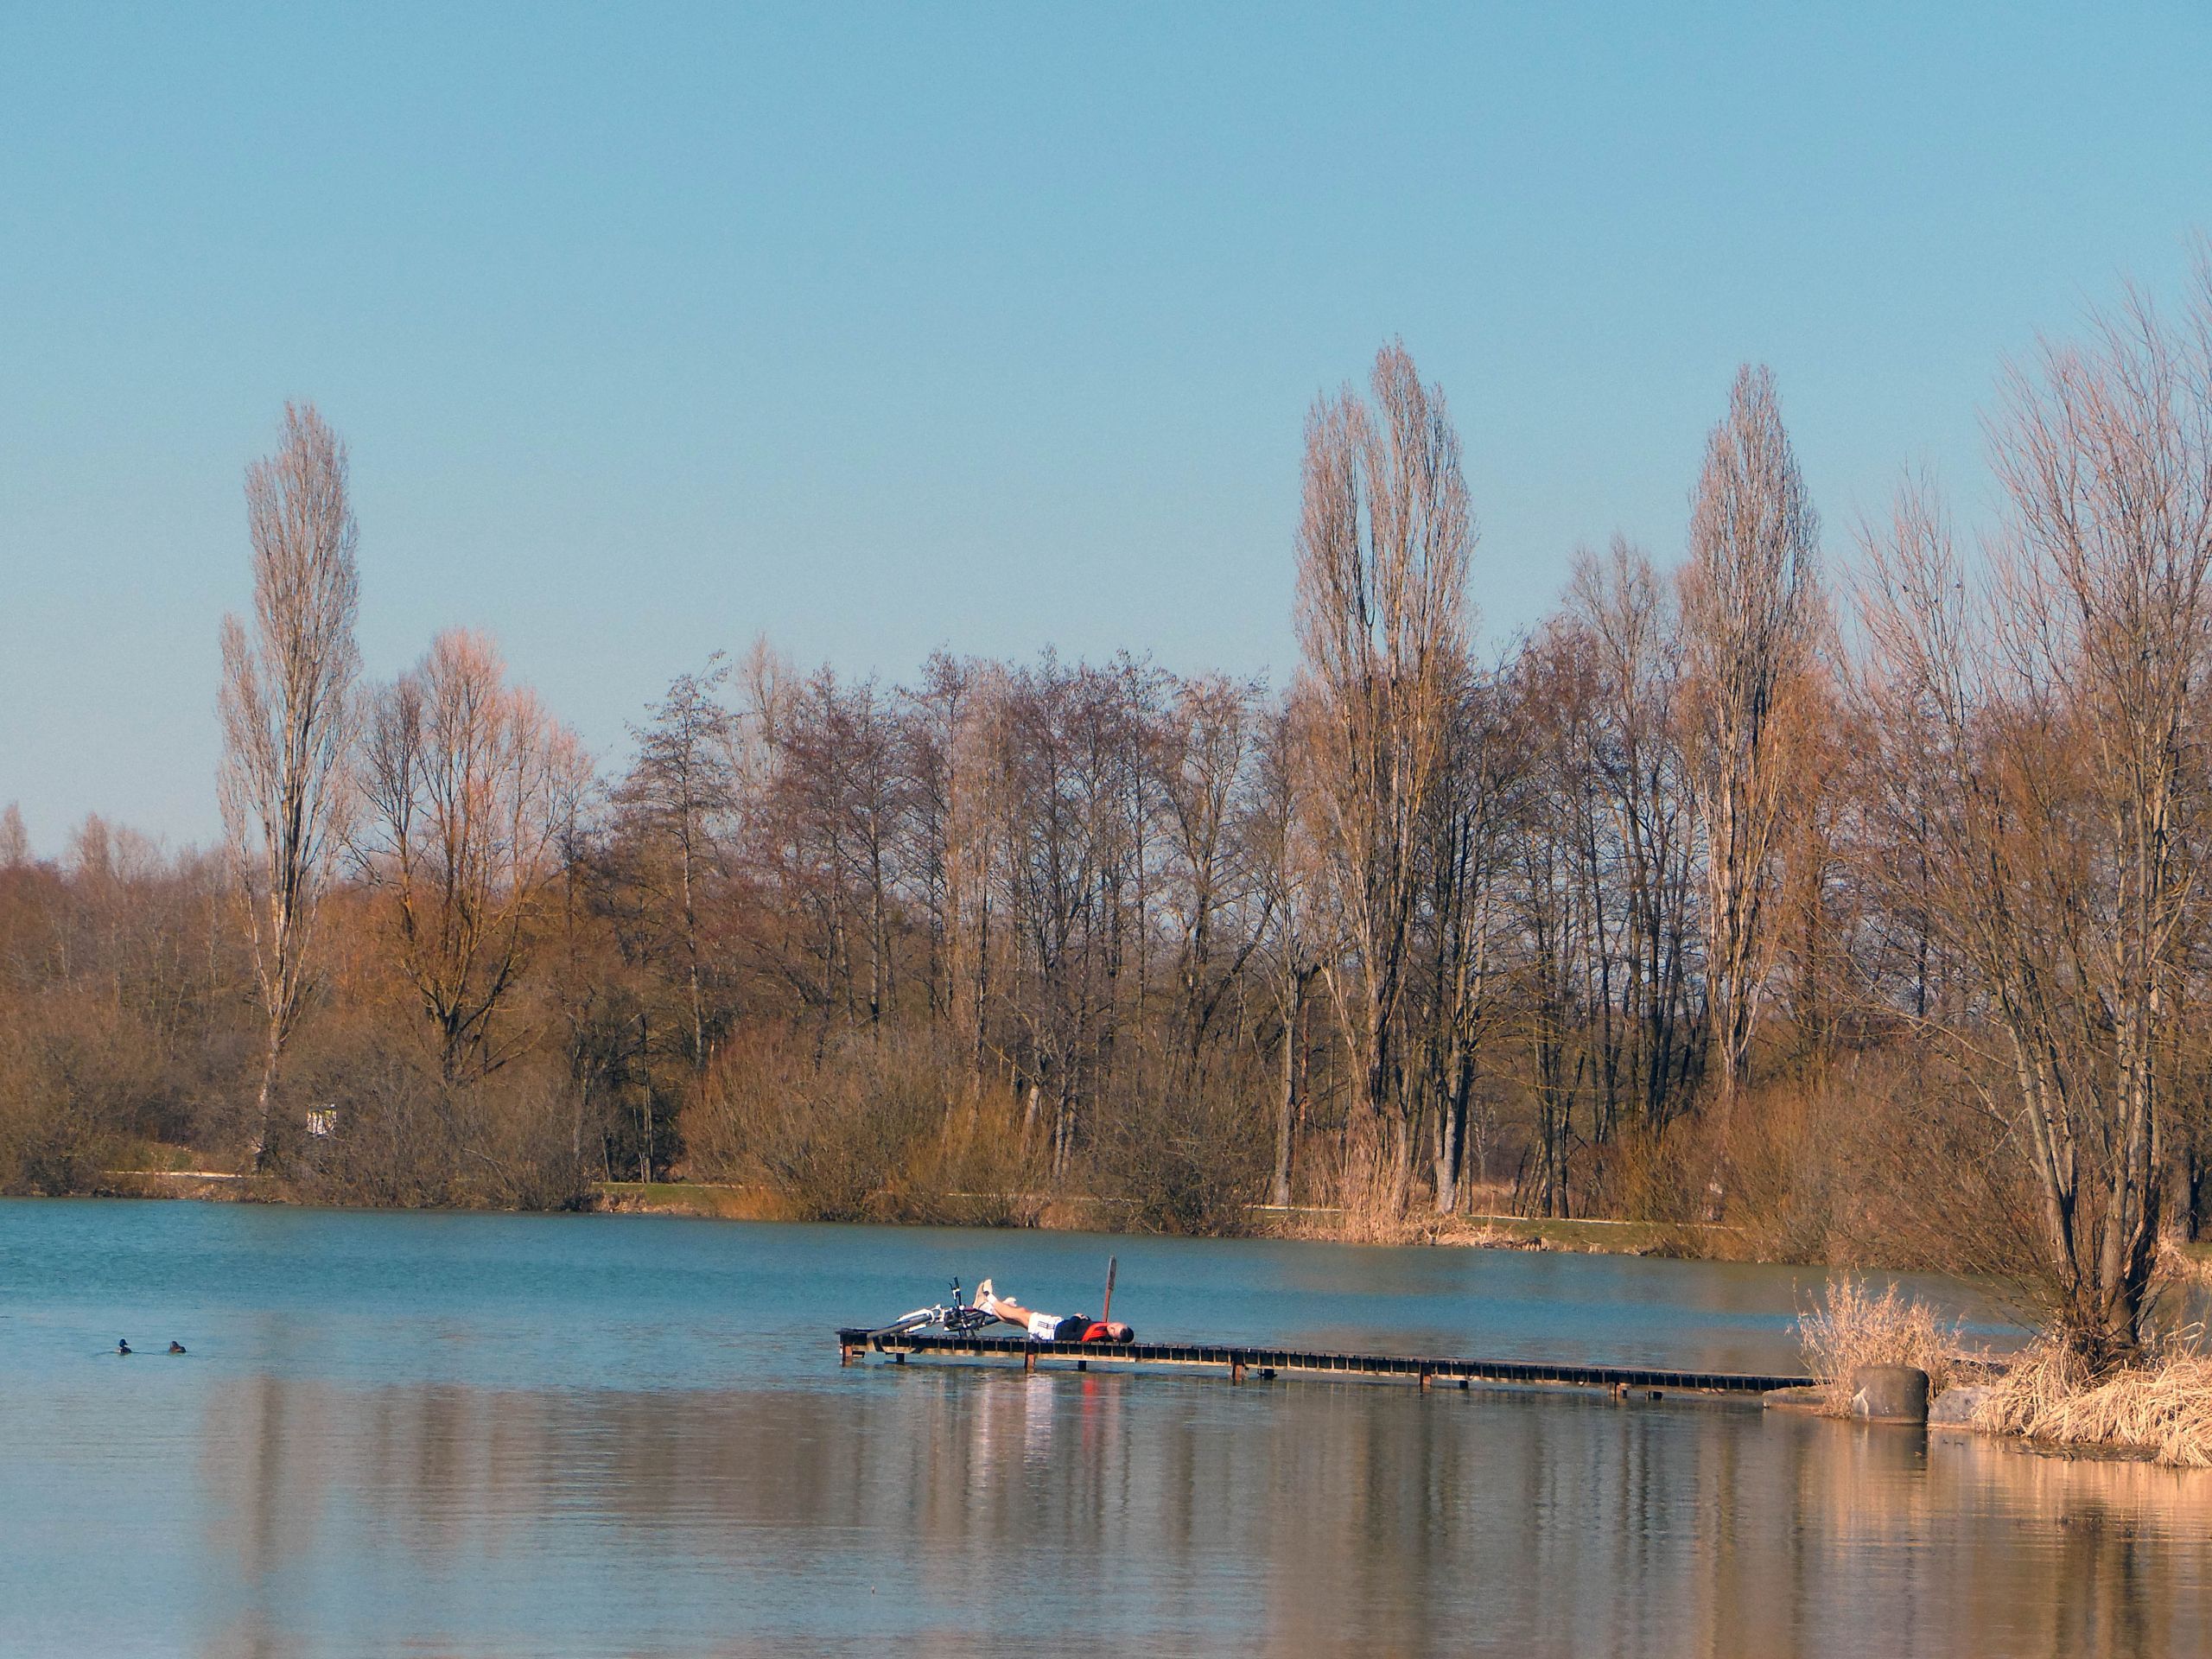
pixel 1427 1377
pixel 1029 1362
pixel 898 1359
pixel 1237 1371
pixel 1888 1393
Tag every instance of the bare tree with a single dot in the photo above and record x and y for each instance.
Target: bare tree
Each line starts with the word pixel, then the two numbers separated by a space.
pixel 472 786
pixel 675 801
pixel 953 822
pixel 1064 869
pixel 1629 615
pixel 1470 816
pixel 1282 860
pixel 1207 743
pixel 1750 610
pixel 827 834
pixel 1561 999
pixel 287 706
pixel 2043 718
pixel 1383 546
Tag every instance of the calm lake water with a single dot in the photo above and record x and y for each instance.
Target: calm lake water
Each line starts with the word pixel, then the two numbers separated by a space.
pixel 523 1435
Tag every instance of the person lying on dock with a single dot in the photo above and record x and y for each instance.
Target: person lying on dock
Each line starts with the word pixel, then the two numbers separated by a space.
pixel 1050 1327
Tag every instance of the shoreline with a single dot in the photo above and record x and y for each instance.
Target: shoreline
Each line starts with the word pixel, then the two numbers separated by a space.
pixel 717 1201
pixel 714 1201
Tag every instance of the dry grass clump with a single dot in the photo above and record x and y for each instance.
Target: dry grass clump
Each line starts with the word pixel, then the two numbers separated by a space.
pixel 1854 1328
pixel 1374 1226
pixel 1458 1232
pixel 2162 1407
pixel 1327 1225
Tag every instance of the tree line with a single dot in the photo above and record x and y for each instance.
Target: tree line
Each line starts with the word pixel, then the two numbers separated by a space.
pixel 1846 918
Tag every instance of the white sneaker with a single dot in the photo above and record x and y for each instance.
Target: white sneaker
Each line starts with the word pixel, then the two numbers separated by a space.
pixel 982 1298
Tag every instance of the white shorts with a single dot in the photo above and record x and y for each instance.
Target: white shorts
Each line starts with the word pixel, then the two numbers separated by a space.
pixel 1043 1326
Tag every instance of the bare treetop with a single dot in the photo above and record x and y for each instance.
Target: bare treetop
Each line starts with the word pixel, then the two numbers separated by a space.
pixel 1384 539
pixel 1754 548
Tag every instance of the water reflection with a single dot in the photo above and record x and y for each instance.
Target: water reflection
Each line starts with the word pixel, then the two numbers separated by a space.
pixel 505 1435
pixel 967 1510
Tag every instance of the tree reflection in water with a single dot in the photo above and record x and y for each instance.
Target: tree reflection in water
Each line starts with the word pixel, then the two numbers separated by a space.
pixel 965 1510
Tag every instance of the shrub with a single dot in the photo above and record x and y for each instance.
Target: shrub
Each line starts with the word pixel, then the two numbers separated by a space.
pixel 400 1134
pixel 1854 1328
pixel 78 1082
pixel 1188 1162
pixel 842 1138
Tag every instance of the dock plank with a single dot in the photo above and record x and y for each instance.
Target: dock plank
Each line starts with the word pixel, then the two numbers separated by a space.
pixel 856 1342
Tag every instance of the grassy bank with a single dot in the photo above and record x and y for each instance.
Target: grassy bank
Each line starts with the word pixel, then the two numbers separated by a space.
pixel 1588 1237
pixel 1080 1213
pixel 2157 1407
pixel 691 1198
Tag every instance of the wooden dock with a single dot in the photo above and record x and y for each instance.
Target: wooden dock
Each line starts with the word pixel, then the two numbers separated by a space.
pixel 1268 1363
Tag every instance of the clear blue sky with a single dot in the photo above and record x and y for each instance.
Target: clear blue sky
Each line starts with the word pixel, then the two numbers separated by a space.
pixel 877 328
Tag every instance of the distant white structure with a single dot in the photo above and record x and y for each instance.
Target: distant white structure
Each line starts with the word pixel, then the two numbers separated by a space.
pixel 322 1119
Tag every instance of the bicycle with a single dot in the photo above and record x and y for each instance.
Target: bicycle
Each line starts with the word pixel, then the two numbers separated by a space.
pixel 957 1318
